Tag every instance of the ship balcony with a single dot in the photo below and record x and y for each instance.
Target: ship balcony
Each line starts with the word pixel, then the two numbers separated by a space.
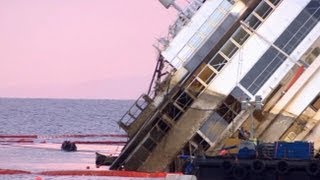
pixel 141 109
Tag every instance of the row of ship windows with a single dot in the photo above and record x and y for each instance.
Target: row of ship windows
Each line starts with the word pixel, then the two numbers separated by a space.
pixel 254 20
pixel 303 119
pixel 272 59
pixel 207 72
pixel 204 31
pixel 229 109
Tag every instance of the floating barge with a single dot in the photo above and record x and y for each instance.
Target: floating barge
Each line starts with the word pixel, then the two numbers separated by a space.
pixel 225 66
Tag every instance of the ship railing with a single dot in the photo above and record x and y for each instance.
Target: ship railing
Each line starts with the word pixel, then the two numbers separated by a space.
pixel 132 114
pixel 188 13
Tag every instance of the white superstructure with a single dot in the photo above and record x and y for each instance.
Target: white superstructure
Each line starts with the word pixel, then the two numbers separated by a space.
pixel 225 54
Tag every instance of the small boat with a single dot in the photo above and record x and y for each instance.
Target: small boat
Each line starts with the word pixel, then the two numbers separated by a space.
pixel 68 146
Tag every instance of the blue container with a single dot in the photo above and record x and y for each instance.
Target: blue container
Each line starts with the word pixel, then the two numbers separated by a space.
pixel 293 150
pixel 246 153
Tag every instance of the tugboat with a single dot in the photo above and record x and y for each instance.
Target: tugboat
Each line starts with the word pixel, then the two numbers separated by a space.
pixel 227 65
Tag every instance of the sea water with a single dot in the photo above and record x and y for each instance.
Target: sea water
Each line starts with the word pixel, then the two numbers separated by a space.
pixel 61 116
pixel 53 120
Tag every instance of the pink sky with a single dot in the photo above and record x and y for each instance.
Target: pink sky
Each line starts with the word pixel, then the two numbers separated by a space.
pixel 79 48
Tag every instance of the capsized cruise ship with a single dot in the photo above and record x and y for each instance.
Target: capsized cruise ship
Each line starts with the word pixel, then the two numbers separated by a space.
pixel 227 65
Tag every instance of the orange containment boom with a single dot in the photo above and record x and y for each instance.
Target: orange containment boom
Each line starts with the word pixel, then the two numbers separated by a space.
pixel 104 173
pixel 12 171
pixel 89 173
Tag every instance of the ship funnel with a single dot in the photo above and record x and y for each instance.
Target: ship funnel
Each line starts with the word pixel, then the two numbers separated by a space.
pixel 168 3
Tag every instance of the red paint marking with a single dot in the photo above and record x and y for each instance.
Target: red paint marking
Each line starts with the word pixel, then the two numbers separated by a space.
pixel 295 77
pixel 17 141
pixel 12 171
pixel 18 136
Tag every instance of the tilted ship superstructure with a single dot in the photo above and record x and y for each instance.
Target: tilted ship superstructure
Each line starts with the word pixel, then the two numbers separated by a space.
pixel 219 56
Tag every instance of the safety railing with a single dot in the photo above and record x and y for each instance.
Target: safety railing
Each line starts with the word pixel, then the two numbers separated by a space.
pixel 132 114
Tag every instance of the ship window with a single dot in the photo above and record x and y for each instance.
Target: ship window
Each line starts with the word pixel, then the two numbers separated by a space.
pixel 185 53
pixel 253 21
pixel 206 28
pixel 188 149
pixel 313 55
pixel 263 9
pixel 271 60
pixel 214 19
pixel 172 111
pixel 316 103
pixel 316 51
pixel 229 49
pixel 225 5
pixel 226 113
pixel 196 40
pixel 217 62
pixel 200 142
pixel 156 134
pixel 262 70
pixel 163 126
pixel 183 99
pixel 149 144
pixel 240 36
pixel 229 109
pixel 275 2
pixel 233 104
pixel 142 155
pixel 196 87
pixel 206 74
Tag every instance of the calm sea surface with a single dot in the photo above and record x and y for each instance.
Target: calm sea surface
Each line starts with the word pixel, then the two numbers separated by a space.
pixel 49 119
pixel 60 116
